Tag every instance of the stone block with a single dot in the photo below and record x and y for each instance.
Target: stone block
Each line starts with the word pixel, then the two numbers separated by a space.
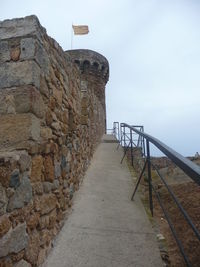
pixel 23 263
pixel 18 128
pixel 4 176
pixel 4 52
pixel 47 187
pixel 10 192
pixel 19 73
pixel 43 86
pixel 5 225
pixel 63 163
pixel 44 222
pixel 49 169
pixel 65 116
pixel 22 195
pixel 14 240
pixel 10 156
pixel 56 184
pixel 57 94
pixel 22 99
pixel 37 188
pixel 46 133
pixel 33 221
pixel 24 161
pixel 42 59
pixel 7 104
pixel 52 103
pixel 41 256
pixel 3 200
pixel 6 262
pixel 15 53
pixel 19 27
pixel 15 257
pixel 32 250
pixel 62 201
pixel 27 48
pixel 52 218
pixel 37 168
pixel 49 117
pixel 45 237
pixel 47 203
pixel 57 169
pixel 56 126
pixel 15 179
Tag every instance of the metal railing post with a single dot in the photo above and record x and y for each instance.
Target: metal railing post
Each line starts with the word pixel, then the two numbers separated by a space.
pixel 120 135
pixel 120 127
pixel 124 135
pixel 114 129
pixel 118 131
pixel 131 140
pixel 149 177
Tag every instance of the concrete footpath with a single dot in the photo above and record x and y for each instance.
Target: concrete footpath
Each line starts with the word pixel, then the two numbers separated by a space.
pixel 106 228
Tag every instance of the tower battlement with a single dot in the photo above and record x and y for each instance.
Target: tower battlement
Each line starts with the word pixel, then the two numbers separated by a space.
pixel 90 62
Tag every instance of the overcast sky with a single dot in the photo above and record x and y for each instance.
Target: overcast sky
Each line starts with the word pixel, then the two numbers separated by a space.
pixel 153 48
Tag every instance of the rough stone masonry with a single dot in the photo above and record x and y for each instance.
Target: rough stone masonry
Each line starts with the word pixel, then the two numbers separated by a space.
pixel 52 116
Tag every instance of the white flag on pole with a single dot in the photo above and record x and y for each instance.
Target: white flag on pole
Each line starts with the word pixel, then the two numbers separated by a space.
pixel 80 29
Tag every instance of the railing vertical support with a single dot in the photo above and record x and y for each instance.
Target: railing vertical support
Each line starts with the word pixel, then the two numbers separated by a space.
pixel 121 133
pixel 118 131
pixel 124 135
pixel 143 146
pixel 131 140
pixel 114 129
pixel 149 177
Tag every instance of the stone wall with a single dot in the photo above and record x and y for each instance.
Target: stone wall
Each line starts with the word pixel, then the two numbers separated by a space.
pixel 52 116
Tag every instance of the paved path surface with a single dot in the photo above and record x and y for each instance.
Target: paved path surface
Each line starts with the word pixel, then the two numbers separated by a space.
pixel 105 228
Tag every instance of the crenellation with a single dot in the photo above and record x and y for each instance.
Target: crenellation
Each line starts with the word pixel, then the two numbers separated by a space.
pixel 90 62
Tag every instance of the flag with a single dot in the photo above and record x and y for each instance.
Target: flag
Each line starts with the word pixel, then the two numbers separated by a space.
pixel 80 29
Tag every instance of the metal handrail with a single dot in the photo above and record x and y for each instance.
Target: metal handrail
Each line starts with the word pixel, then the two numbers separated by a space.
pixel 190 168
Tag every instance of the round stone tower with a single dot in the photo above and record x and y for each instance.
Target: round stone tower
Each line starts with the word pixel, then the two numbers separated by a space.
pixel 94 74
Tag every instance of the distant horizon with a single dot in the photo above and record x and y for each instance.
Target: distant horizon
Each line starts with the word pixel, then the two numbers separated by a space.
pixel 154 151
